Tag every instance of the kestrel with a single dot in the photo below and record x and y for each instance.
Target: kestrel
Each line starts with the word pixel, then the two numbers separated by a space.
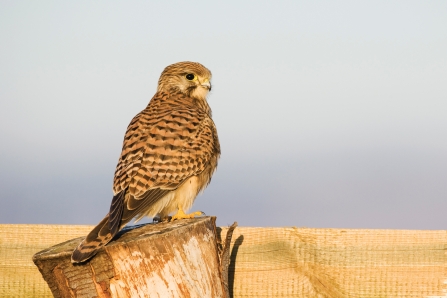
pixel 169 154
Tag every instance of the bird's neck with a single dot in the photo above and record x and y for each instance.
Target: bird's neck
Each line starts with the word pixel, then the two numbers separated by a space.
pixel 181 99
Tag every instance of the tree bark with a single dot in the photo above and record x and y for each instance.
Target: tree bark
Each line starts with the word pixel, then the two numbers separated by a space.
pixel 178 259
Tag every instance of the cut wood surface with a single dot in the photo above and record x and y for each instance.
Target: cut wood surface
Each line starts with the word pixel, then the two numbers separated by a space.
pixel 275 262
pixel 175 259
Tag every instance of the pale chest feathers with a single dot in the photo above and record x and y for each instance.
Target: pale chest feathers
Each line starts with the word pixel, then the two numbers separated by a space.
pixel 183 196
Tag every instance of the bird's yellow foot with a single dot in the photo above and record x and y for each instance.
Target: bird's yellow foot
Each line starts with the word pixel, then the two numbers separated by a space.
pixel 181 214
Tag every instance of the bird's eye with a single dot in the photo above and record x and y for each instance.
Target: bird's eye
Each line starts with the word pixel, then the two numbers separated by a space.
pixel 190 76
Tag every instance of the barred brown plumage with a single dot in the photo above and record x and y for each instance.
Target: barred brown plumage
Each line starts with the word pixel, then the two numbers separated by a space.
pixel 169 154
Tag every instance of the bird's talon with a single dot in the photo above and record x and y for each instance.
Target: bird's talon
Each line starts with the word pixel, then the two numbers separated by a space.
pixel 199 213
pixel 181 214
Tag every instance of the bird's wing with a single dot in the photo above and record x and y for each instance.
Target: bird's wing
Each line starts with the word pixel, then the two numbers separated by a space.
pixel 163 147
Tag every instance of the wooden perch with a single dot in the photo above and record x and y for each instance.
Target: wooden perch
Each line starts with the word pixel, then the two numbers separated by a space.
pixel 178 259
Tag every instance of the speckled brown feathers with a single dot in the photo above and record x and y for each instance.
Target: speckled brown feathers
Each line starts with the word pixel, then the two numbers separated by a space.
pixel 169 154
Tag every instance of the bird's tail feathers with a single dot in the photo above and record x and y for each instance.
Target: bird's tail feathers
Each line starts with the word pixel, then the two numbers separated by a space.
pixel 97 238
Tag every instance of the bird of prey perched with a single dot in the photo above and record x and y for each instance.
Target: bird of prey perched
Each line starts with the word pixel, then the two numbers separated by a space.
pixel 169 154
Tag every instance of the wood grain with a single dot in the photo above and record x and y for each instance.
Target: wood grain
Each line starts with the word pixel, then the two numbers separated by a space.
pixel 176 259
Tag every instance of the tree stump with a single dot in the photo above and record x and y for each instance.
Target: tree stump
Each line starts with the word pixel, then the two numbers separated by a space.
pixel 179 259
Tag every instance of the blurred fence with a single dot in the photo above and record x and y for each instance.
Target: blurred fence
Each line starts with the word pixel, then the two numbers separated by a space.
pixel 275 262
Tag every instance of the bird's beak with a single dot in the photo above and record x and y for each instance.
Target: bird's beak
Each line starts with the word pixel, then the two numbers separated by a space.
pixel 206 85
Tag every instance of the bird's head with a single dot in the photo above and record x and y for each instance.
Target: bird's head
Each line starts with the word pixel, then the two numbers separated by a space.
pixel 190 78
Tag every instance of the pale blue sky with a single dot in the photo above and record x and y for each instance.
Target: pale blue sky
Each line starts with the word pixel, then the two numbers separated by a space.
pixel 330 113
